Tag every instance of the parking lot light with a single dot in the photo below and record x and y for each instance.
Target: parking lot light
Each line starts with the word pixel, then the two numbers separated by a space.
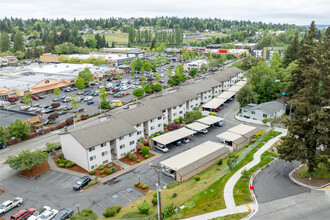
pixel 78 205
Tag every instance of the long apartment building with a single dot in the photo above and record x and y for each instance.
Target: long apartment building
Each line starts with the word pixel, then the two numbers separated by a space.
pixel 118 135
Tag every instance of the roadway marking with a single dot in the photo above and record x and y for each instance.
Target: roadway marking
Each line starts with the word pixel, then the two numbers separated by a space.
pixel 75 180
pixel 55 178
pixel 63 180
pixel 249 207
pixel 125 197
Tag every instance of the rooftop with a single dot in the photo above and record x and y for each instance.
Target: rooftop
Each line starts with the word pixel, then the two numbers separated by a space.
pixel 8 116
pixel 233 137
pixel 173 136
pixel 267 107
pixel 209 120
pixel 103 132
pixel 245 130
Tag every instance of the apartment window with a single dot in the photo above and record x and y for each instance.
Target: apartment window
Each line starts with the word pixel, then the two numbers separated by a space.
pixel 152 120
pixel 138 133
pixel 121 138
pixel 163 111
pixel 180 106
pixel 138 125
pixel 264 115
pixel 91 149
pixel 92 158
pixel 174 114
pixel 209 96
pixel 174 107
pixel 131 142
pixel 159 125
pixel 196 104
pixel 122 146
pixel 164 117
pixel 159 118
pixel 131 134
pixel 180 112
pixel 104 144
pixel 122 155
pixel 191 106
pixel 133 150
pixel 152 128
pixel 104 153
pixel 253 112
pixel 93 167
pixel 105 162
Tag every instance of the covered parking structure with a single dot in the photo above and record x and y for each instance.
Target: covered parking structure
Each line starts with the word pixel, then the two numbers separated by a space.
pixel 226 95
pixel 234 88
pixel 197 127
pixel 240 83
pixel 236 141
pixel 214 104
pixel 211 120
pixel 191 162
pixel 173 136
pixel 245 130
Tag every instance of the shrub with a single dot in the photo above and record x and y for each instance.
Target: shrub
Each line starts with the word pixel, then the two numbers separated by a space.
pixel 65 161
pixel 53 116
pixel 90 211
pixel 145 186
pixel 154 200
pixel 140 185
pixel 219 162
pixel 61 164
pixel 144 208
pixel 177 121
pixel 93 172
pixel 138 160
pixel 127 154
pixel 230 161
pixel 140 151
pixel 260 133
pixel 60 155
pixel 58 160
pixel 197 178
pixel 151 136
pixel 253 140
pixel 113 169
pixel 173 126
pixel 132 157
pixel 145 143
pixel 168 211
pixel 157 134
pixel 146 156
pixel 69 164
pixel 108 171
pixel 69 121
pixel 137 183
pixel 213 113
pixel 174 195
pixel 101 167
pixel 109 165
pixel 55 104
pixel 111 211
pixel 102 171
pixel 145 150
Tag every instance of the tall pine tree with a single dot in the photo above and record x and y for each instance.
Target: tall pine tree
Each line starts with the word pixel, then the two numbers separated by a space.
pixel 291 53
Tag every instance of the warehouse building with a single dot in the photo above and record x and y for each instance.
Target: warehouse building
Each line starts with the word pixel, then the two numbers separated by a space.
pixel 191 162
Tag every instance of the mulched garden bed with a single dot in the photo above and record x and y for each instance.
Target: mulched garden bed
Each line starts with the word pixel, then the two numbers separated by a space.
pixel 143 190
pixel 138 156
pixel 312 182
pixel 79 169
pixel 36 171
pixel 2 192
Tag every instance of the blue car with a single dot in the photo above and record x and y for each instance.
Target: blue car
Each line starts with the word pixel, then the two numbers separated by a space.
pixel 90 102
pixel 118 84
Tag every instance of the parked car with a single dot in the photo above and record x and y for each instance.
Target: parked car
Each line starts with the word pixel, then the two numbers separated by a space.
pixel 178 143
pixel 81 183
pixel 47 215
pixel 80 93
pixel 22 108
pixel 204 131
pixel 3 145
pixel 185 140
pixel 162 148
pixel 46 122
pixel 41 97
pixel 90 102
pixel 80 109
pixel 88 98
pixel 63 214
pixel 23 214
pixel 37 213
pixel 67 108
pixel 8 205
pixel 57 100
pixel 62 112
pixel 126 107
pixel 35 98
pixel 49 111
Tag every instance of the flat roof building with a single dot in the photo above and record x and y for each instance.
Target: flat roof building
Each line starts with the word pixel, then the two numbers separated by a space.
pixel 8 116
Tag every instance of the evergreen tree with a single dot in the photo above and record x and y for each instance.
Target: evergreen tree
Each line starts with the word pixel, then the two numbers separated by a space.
pixel 291 53
pixel 153 44
pixel 113 44
pixel 4 42
pixel 308 126
pixel 18 41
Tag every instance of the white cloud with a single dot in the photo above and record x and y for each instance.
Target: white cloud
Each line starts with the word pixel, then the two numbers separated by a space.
pixel 275 11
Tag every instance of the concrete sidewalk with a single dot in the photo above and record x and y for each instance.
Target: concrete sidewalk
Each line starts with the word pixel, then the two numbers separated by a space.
pixel 229 187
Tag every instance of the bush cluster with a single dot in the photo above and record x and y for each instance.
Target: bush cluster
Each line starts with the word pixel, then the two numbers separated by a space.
pixel 219 162
pixel 144 208
pixel 93 172
pixel 65 163
pixel 154 199
pixel 101 167
pixel 197 178
pixel 146 156
pixel 111 211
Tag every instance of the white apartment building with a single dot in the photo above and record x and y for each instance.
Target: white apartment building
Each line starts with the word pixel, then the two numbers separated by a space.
pixel 205 89
pixel 264 110
pixel 98 144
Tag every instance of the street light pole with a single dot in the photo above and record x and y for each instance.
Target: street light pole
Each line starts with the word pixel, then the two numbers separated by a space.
pixel 158 167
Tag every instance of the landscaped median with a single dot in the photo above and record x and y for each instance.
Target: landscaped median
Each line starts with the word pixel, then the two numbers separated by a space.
pixel 197 195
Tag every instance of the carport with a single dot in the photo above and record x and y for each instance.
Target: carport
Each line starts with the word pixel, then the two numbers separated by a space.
pixel 173 136
pixel 234 88
pixel 226 95
pixel 191 162
pixel 236 141
pixel 196 126
pixel 210 120
pixel 213 104
pixel 240 83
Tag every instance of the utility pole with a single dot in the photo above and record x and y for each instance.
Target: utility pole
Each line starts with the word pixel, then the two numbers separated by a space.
pixel 158 168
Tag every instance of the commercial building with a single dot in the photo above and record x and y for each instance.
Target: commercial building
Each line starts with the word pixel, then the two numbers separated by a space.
pixel 262 111
pixel 8 60
pixel 195 64
pixel 193 161
pixel 98 144
pixel 49 58
pixel 8 116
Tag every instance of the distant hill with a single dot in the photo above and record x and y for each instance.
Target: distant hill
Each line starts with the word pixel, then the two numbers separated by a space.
pixel 318 26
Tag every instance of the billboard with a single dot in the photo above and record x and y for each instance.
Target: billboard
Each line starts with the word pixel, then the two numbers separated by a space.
pixel 223 51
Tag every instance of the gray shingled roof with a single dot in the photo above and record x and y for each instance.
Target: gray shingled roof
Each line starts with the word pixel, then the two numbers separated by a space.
pixel 267 107
pixel 170 100
pixel 103 132
pixel 203 86
pixel 229 72
pixel 138 115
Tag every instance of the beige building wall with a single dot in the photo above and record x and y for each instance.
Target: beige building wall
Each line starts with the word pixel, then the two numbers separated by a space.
pixel 48 57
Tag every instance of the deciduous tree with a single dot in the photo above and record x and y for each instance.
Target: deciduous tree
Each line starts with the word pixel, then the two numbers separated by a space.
pixel 18 129
pixel 26 159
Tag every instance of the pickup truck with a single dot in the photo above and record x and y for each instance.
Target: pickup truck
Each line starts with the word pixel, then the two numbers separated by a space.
pixel 8 205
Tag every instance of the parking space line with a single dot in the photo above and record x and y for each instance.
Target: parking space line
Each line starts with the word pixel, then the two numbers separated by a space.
pixel 63 180
pixel 55 178
pixel 120 193
pixel 50 174
pixel 75 180
pixel 160 181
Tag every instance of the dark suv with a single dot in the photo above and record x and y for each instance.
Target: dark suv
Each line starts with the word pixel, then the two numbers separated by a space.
pixel 63 214
pixel 81 183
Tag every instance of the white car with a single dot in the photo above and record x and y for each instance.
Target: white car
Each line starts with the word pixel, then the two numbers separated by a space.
pixel 8 205
pixel 47 215
pixel 204 131
pixel 24 107
pixel 37 213
pixel 162 148
pixel 124 87
pixel 88 98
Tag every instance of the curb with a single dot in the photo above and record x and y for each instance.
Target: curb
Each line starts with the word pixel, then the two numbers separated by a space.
pixel 120 174
pixel 302 184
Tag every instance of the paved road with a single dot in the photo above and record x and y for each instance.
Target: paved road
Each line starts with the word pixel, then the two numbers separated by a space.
pixel 280 198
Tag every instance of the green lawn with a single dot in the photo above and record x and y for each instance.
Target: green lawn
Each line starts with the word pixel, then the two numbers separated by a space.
pixel 320 173
pixel 233 216
pixel 85 214
pixel 118 38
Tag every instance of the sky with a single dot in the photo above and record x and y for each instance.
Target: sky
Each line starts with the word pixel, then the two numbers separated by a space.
pixel 299 12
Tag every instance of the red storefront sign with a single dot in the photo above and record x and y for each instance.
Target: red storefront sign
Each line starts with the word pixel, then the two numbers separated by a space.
pixel 223 51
